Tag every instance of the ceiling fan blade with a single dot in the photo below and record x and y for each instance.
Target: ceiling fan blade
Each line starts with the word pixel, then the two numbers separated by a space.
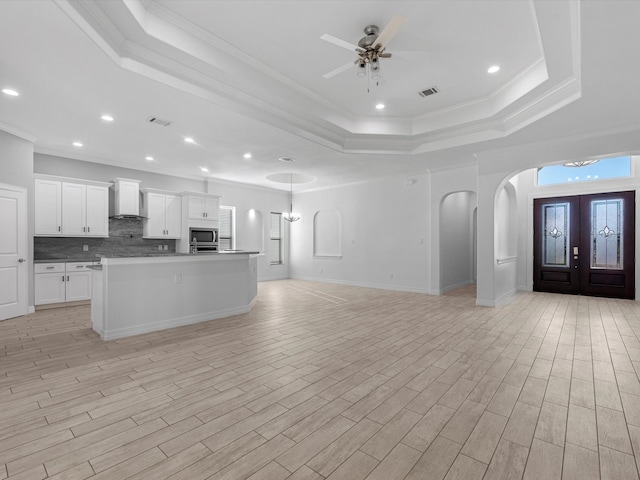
pixel 340 43
pixel 389 32
pixel 338 70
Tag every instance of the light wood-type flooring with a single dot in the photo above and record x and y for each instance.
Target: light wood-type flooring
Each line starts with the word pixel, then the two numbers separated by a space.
pixel 329 381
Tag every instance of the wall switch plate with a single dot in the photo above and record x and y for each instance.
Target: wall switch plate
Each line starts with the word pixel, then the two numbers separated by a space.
pixel 85 248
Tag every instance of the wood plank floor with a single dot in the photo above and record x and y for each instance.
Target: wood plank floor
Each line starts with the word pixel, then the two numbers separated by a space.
pixel 328 381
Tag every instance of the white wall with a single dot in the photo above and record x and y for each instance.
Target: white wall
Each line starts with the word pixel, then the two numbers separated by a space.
pixel 16 168
pixel 456 240
pixel 495 168
pixel 384 232
pixel 442 184
pixel 527 191
pixel 263 201
pixel 243 197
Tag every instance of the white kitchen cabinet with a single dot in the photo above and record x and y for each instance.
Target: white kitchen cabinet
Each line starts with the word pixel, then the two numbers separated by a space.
pixel 163 214
pixel 49 283
pixel 48 207
pixel 74 209
pixel 78 282
pixel 127 196
pixel 71 208
pixel 203 207
pixel 85 210
pixel 97 211
pixel 57 282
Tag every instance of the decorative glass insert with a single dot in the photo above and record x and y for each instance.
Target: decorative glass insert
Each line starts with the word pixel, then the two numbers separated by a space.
pixel 600 170
pixel 606 233
pixel 555 239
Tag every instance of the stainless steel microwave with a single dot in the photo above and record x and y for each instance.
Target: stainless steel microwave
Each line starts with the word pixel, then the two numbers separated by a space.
pixel 203 239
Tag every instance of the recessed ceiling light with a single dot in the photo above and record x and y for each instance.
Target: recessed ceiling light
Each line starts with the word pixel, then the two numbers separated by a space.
pixel 189 140
pixel 204 169
pixel 10 92
pixel 107 118
pixel 287 159
pixel 247 155
pixel 493 69
pixel 77 144
pixel 380 106
pixel 149 159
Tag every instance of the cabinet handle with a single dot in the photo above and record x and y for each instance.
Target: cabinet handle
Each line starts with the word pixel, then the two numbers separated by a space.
pixel 67 278
pixel 50 268
pixel 84 229
pixel 79 266
pixel 88 229
pixel 63 278
pixel 59 228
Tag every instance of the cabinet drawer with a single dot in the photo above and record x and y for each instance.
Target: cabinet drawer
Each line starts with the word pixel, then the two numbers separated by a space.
pixel 49 267
pixel 77 266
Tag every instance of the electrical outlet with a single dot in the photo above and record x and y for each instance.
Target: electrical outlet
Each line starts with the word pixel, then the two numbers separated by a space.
pixel 160 247
pixel 85 248
pixel 165 247
pixel 178 278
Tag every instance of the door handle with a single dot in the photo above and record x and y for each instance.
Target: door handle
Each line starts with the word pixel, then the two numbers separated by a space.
pixel 20 260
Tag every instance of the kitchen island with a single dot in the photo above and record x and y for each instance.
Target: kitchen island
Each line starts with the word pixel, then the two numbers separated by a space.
pixel 134 295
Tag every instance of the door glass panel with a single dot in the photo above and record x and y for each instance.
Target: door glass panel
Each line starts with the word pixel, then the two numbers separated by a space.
pixel 606 234
pixel 555 219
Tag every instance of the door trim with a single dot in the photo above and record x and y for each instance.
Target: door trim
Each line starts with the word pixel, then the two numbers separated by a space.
pixel 571 191
pixel 23 246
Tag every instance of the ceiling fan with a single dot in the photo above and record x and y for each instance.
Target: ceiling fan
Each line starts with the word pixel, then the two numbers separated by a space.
pixel 370 48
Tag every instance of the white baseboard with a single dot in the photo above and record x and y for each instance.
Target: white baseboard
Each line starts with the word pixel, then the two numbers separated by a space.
pixel 382 286
pixel 174 322
pixel 31 309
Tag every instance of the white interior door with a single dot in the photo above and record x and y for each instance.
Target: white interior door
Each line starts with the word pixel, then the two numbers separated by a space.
pixel 13 252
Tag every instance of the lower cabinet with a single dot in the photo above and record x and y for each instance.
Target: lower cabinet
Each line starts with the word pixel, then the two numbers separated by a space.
pixel 60 282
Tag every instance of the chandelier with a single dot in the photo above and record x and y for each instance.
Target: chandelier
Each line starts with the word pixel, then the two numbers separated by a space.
pixel 291 216
pixel 583 163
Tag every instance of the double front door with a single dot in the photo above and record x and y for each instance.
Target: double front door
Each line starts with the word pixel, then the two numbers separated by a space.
pixel 584 245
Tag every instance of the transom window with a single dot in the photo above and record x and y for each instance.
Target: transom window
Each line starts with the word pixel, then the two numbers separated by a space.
pixel 587 171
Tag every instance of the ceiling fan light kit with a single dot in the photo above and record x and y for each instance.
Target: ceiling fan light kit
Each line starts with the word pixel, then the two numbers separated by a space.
pixel 370 49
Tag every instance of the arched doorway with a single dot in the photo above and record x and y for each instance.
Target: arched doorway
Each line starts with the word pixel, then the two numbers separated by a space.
pixel 457 240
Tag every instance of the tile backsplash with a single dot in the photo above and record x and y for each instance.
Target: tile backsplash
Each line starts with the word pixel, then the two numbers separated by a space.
pixel 125 238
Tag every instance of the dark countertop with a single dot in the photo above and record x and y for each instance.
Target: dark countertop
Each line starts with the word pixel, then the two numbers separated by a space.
pixel 227 252
pixel 96 258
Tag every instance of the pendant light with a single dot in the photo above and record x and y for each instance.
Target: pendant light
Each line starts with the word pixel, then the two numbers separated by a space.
pixel 291 216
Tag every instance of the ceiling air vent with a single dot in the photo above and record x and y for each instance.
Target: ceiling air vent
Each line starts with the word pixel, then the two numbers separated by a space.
pixel 159 121
pixel 428 91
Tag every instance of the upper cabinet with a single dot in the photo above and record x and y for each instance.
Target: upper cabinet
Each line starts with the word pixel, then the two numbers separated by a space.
pixel 163 214
pixel 71 208
pixel 202 206
pixel 48 207
pixel 127 197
